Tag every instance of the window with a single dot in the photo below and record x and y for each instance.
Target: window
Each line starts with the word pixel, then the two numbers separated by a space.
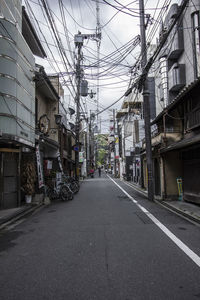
pixel 196 42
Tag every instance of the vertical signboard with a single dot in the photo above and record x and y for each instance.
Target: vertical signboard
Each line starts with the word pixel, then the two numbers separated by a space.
pixel 39 168
pixel 117 147
pixel 59 162
pixel 81 157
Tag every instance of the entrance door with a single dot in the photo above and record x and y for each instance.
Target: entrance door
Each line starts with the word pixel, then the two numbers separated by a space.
pixel 9 171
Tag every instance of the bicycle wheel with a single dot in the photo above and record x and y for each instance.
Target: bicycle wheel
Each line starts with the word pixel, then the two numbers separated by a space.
pixel 73 187
pixel 78 186
pixel 65 193
pixel 71 195
pixel 70 192
pixel 50 193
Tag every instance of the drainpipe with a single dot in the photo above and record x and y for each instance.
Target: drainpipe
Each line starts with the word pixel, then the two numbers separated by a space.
pixel 164 177
pixel 164 128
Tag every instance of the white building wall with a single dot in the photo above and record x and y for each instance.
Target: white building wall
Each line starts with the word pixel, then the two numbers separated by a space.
pixel 17 89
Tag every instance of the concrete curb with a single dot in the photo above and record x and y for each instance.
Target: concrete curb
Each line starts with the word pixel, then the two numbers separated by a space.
pixel 169 206
pixel 18 215
pixel 135 187
pixel 180 212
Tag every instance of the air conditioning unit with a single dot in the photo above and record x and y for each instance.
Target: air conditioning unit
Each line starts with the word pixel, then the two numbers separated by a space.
pixel 177 77
pixel 176 45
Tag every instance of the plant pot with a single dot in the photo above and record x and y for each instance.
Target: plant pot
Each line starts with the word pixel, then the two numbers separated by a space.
pixel 28 199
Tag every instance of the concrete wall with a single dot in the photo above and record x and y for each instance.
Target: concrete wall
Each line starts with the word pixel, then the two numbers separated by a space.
pixel 12 10
pixel 187 56
pixel 17 64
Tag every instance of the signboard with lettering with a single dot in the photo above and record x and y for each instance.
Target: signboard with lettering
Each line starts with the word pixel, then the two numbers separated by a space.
pixel 59 161
pixel 116 147
pixel 127 153
pixel 81 157
pixel 39 168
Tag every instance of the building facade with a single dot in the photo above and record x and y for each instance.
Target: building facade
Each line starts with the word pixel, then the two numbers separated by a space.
pixel 175 138
pixel 17 102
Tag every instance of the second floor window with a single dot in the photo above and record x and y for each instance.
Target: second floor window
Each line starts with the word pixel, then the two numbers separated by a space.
pixel 196 41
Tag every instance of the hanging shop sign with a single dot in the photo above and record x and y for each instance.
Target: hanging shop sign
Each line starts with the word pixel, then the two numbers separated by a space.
pixel 49 164
pixel 133 168
pixel 116 147
pixel 59 162
pixel 58 179
pixel 39 168
pixel 81 157
pixel 76 148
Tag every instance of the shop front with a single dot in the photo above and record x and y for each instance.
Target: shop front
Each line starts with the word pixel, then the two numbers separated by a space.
pixel 10 178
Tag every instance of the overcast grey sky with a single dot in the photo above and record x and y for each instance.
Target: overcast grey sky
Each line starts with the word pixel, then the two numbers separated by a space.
pixel 80 15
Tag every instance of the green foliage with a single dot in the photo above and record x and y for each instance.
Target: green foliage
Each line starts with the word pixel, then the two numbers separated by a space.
pixel 102 140
pixel 101 156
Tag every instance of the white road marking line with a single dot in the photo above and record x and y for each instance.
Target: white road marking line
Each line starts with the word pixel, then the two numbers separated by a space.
pixel 191 254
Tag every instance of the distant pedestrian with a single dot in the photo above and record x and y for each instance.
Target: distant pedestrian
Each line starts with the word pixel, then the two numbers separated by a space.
pixel 99 169
pixel 92 173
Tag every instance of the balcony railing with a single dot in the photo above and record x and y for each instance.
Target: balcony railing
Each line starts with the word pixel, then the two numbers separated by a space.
pixel 156 132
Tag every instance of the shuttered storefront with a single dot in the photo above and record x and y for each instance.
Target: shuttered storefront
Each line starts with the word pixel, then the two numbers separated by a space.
pixel 191 175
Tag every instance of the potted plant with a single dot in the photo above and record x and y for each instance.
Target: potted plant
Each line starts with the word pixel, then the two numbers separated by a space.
pixel 28 180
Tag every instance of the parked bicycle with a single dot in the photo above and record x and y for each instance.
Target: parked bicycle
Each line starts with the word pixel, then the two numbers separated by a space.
pixel 62 191
pixel 72 182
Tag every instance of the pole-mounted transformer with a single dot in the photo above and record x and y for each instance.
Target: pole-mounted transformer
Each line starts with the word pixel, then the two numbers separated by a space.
pixel 84 88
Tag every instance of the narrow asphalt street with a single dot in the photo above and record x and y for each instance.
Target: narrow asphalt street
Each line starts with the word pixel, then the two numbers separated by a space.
pixel 102 245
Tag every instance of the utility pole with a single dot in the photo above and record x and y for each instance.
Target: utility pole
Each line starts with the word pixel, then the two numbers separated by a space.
pixel 78 77
pixel 78 39
pixel 98 33
pixel 114 142
pixel 146 105
pixel 100 125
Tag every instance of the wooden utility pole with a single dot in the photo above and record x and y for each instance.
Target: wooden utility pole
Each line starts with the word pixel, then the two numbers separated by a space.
pixel 98 33
pixel 78 77
pixel 146 104
pixel 114 142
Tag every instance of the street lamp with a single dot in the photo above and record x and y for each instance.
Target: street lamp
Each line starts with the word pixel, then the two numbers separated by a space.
pixel 58 119
pixel 71 111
